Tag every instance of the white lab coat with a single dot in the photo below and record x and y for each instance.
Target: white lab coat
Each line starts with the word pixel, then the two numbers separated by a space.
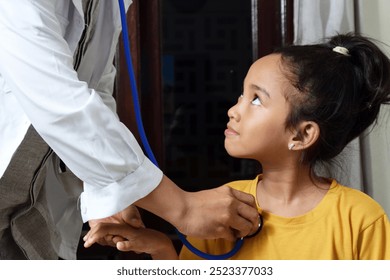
pixel 73 112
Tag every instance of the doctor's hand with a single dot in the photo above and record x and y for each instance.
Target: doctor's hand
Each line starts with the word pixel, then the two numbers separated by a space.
pixel 129 216
pixel 217 213
pixel 220 213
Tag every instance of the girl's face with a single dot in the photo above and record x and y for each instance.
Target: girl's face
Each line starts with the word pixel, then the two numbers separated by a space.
pixel 256 127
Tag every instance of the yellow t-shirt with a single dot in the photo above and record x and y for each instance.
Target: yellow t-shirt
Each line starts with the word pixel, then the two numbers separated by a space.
pixel 347 224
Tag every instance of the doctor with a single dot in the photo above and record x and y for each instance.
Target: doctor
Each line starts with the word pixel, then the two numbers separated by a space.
pixel 57 116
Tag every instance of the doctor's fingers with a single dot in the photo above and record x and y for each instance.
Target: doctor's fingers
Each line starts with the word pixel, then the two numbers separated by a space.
pixel 107 240
pixel 243 197
pixel 131 239
pixel 247 220
pixel 132 216
pixel 105 234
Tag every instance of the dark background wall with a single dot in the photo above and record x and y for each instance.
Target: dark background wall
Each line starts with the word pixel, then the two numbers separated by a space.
pixel 206 52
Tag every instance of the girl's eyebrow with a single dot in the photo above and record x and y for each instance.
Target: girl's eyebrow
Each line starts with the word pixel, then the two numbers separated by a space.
pixel 261 89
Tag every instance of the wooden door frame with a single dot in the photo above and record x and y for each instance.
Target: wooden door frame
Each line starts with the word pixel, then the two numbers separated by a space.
pixel 143 19
pixel 272 26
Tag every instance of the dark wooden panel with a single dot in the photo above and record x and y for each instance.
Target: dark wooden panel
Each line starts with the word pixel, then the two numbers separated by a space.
pixel 270 25
pixel 151 83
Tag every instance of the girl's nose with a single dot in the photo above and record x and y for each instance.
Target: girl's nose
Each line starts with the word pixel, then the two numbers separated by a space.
pixel 233 113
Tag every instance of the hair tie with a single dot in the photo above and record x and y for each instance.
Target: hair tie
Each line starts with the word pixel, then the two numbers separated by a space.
pixel 342 50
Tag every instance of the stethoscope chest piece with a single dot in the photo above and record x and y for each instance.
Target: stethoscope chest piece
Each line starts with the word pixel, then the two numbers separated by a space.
pixel 259 228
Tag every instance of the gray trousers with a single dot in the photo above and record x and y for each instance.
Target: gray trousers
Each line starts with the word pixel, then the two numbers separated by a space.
pixel 26 227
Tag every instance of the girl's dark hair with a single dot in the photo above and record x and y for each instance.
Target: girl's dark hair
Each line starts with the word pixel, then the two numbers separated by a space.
pixel 342 93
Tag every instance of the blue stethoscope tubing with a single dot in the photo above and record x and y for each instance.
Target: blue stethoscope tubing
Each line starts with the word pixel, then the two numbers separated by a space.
pixel 145 141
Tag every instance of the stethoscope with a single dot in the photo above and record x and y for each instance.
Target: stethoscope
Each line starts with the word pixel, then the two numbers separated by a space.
pixel 149 151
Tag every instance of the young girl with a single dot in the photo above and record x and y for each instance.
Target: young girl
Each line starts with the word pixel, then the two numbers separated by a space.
pixel 300 106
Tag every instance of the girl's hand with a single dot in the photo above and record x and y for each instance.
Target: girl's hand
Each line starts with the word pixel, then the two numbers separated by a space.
pixel 129 216
pixel 140 240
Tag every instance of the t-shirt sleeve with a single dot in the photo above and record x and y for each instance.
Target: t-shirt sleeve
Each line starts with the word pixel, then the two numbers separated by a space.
pixel 374 241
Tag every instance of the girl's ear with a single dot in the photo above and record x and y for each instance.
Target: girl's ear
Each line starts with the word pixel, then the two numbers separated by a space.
pixel 306 135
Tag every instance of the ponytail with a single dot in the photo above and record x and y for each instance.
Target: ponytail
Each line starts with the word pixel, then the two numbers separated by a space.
pixel 372 69
pixel 341 85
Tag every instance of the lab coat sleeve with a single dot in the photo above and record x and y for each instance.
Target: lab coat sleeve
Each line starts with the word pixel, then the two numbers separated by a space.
pixel 105 87
pixel 36 63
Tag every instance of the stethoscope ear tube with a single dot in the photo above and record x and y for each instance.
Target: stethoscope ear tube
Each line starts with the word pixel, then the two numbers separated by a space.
pixel 199 253
pixel 149 151
pixel 133 84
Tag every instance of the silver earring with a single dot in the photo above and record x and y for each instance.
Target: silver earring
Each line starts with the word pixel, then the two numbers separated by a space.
pixel 291 146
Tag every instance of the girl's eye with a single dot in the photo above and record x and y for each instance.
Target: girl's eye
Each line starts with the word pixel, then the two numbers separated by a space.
pixel 256 101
